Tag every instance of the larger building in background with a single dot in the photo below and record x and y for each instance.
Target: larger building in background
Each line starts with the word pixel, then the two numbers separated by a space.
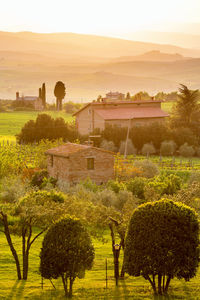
pixel 98 114
pixel 35 101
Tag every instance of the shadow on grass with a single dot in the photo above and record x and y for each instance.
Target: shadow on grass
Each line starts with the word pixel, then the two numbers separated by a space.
pixel 17 290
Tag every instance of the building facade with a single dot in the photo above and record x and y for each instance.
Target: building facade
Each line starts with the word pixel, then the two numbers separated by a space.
pixel 74 162
pixel 98 114
pixel 35 101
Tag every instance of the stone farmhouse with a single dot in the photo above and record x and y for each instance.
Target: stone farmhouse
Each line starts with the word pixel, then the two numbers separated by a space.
pixel 75 162
pixel 34 100
pixel 98 114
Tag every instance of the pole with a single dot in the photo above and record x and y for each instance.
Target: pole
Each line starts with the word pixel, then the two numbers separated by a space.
pixel 106 274
pixel 127 136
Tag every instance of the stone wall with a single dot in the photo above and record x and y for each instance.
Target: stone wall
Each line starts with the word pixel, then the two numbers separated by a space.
pixel 74 168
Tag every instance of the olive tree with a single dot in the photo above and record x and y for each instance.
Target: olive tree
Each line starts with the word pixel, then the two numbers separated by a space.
pixel 162 243
pixel 36 209
pixel 67 251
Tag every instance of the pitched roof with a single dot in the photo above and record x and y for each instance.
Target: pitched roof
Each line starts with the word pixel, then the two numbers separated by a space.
pixel 123 113
pixel 109 103
pixel 70 148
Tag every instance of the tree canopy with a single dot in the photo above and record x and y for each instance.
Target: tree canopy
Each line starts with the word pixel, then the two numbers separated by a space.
pixel 45 127
pixel 187 108
pixel 59 92
pixel 67 251
pixel 162 242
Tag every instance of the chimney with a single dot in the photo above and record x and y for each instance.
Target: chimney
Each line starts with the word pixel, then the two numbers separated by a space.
pixel 17 95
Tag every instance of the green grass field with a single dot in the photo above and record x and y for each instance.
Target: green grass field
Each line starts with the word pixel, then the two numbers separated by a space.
pixel 12 122
pixel 93 286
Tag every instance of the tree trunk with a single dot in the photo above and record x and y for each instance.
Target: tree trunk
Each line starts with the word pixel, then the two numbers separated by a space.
pixel 64 280
pixel 70 286
pixel 152 282
pixel 25 265
pixel 159 284
pixel 167 284
pixel 122 270
pixel 10 243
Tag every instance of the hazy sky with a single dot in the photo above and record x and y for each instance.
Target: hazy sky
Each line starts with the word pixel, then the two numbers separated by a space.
pixel 105 17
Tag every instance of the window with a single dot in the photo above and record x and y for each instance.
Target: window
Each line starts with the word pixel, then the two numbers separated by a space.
pixel 90 163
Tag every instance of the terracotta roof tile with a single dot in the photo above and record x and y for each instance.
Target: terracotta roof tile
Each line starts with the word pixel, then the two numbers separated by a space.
pixel 70 148
pixel 67 149
pixel 123 113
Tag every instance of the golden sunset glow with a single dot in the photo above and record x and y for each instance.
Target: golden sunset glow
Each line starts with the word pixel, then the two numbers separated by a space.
pixel 96 17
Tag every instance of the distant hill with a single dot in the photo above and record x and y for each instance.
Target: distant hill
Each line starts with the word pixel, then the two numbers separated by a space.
pixel 71 44
pixel 154 55
pixel 91 65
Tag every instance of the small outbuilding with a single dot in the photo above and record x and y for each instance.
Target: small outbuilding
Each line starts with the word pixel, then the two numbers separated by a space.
pixel 74 162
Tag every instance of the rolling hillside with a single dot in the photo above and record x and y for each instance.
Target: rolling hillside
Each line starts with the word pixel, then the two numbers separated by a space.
pixel 91 65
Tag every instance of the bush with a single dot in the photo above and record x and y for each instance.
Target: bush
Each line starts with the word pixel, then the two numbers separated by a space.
pixel 67 251
pixel 108 145
pixel 147 167
pixel 136 186
pixel 106 197
pixel 186 150
pixel 38 178
pixel 148 149
pixel 164 184
pixel 167 148
pixel 130 148
pixel 45 127
pixel 163 242
pixel 122 197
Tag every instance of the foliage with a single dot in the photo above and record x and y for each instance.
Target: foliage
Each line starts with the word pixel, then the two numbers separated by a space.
pixel 130 147
pixel 124 170
pixel 59 92
pixel 167 148
pixel 137 186
pixel 15 159
pixel 187 108
pixel 164 184
pixel 71 107
pixel 183 135
pixel 43 95
pixel 147 167
pixel 38 177
pixel 45 127
pixel 186 150
pixel 67 251
pixel 154 243
pixel 148 149
pixel 108 145
pixel 143 96
pixel 190 196
pixel 36 208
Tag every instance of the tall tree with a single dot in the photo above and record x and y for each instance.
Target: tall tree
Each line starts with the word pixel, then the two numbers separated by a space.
pixel 59 92
pixel 186 112
pixel 43 95
pixel 40 93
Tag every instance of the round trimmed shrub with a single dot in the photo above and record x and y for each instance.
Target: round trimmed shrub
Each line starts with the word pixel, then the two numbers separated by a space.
pixel 162 243
pixel 186 150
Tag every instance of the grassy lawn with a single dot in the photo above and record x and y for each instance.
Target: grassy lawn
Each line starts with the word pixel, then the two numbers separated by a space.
pixel 167 106
pixel 93 286
pixel 12 122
